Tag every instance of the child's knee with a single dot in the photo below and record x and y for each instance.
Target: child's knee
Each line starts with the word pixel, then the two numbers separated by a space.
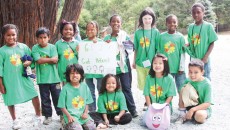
pixel 200 116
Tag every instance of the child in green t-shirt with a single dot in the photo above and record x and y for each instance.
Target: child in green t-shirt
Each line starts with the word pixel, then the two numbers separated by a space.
pixel 45 55
pixel 92 33
pixel 123 69
pixel 171 44
pixel 202 86
pixel 74 100
pixel 201 38
pixel 16 88
pixel 66 47
pixel 160 86
pixel 111 103
pixel 145 40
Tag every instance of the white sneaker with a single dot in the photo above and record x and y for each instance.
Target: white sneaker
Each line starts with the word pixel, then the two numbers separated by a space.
pixel 37 121
pixel 180 120
pixel 16 124
pixel 47 120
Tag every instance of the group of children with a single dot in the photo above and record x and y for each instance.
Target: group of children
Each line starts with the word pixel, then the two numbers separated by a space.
pixel 158 59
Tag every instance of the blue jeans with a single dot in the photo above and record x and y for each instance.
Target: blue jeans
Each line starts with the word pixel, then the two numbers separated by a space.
pixel 91 85
pixel 179 79
pixel 126 89
pixel 45 91
pixel 207 69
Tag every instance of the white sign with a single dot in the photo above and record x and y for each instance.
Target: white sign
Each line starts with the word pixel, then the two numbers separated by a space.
pixel 98 58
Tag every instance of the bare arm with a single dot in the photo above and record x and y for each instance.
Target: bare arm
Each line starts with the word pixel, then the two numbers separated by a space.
pixel 105 119
pixel 70 118
pixel 2 87
pixel 85 114
pixel 118 117
pixel 134 59
pixel 210 48
pixel 202 106
pixel 148 101
pixel 52 60
pixel 168 100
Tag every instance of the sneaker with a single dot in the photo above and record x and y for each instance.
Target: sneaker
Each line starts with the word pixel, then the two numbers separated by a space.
pixel 16 124
pixel 134 114
pixel 37 121
pixel 180 120
pixel 47 120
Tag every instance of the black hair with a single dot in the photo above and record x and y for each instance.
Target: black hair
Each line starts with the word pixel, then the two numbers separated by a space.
pixel 76 68
pixel 6 27
pixel 42 30
pixel 147 11
pixel 198 5
pixel 104 82
pixel 64 22
pixel 170 16
pixel 152 73
pixel 115 15
pixel 95 24
pixel 197 63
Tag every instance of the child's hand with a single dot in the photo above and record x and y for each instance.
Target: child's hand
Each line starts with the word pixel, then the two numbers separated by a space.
pixel 84 116
pixel 27 63
pixel 70 119
pixel 134 65
pixel 54 60
pixel 108 41
pixel 77 48
pixel 189 114
pixel 107 122
pixel 2 89
pixel 94 40
pixel 186 44
pixel 205 60
pixel 117 118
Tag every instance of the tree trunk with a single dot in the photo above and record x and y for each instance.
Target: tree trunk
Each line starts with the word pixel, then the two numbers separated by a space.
pixel 28 15
pixel 71 11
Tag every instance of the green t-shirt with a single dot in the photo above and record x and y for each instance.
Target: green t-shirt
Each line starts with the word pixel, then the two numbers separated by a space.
pixel 67 54
pixel 111 102
pixel 200 37
pixel 118 69
pixel 87 76
pixel 19 89
pixel 171 45
pixel 75 101
pixel 45 73
pixel 145 44
pixel 165 88
pixel 204 91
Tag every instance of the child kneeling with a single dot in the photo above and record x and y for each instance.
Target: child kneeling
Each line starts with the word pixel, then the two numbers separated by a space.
pixel 74 99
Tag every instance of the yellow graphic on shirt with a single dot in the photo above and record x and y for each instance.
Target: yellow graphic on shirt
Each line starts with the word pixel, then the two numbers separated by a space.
pixel 195 39
pixel 44 56
pixel 153 90
pixel 15 60
pixel 169 47
pixel 111 105
pixel 78 102
pixel 144 41
pixel 68 54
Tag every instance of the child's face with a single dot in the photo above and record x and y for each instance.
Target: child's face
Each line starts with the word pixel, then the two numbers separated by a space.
pixel 10 37
pixel 91 31
pixel 195 73
pixel 158 65
pixel 172 24
pixel 111 84
pixel 197 14
pixel 68 31
pixel 43 39
pixel 115 23
pixel 147 20
pixel 75 77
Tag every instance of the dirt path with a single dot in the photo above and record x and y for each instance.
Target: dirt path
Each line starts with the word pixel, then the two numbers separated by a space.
pixel 221 98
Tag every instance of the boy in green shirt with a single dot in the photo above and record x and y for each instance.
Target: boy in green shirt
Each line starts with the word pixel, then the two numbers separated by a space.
pixel 74 100
pixel 45 55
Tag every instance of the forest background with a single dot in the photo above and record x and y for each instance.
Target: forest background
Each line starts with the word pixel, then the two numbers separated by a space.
pixel 30 15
